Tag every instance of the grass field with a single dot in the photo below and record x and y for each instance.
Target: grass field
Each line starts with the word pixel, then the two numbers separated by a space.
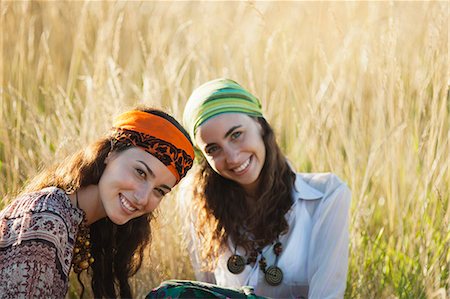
pixel 355 88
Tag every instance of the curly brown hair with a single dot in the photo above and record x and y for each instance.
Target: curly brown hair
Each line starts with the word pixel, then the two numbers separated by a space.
pixel 118 250
pixel 221 209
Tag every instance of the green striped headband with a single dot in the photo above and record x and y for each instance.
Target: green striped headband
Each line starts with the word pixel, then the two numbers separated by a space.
pixel 216 97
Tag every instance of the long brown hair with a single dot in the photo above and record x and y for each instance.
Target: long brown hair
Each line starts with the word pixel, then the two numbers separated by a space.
pixel 118 250
pixel 222 212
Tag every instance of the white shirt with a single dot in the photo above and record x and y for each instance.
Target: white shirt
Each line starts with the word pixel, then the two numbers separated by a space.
pixel 314 259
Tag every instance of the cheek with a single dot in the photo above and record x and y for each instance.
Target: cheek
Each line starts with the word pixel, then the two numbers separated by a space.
pixel 153 204
pixel 215 164
pixel 116 178
pixel 262 148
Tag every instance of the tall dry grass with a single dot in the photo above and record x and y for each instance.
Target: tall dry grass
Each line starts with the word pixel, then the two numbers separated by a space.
pixel 356 88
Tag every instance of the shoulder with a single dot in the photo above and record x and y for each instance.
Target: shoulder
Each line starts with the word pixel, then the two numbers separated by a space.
pixel 49 200
pixel 325 182
pixel 41 200
pixel 325 186
pixel 38 231
pixel 333 206
pixel 44 216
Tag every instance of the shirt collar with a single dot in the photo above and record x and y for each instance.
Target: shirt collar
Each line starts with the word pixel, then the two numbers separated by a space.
pixel 305 191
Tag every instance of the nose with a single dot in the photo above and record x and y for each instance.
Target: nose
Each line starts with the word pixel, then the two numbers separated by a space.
pixel 142 194
pixel 231 154
pixel 144 197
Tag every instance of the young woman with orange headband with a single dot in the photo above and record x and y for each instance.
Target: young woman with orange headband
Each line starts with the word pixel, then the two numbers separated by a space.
pixel 93 210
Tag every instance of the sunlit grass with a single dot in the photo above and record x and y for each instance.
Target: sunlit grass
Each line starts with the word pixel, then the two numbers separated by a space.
pixel 356 88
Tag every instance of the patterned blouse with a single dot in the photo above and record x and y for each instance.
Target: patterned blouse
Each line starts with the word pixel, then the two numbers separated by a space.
pixel 37 236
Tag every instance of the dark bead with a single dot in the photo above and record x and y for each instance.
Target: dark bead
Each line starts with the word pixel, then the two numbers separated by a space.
pixel 262 264
pixel 277 248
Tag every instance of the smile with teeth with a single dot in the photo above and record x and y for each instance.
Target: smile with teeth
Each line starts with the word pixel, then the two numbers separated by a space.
pixel 126 204
pixel 243 166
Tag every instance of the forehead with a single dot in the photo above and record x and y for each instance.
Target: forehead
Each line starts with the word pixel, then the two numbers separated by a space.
pixel 135 153
pixel 218 126
pixel 162 173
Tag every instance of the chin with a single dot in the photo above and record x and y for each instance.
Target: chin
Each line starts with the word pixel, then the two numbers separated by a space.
pixel 118 221
pixel 248 181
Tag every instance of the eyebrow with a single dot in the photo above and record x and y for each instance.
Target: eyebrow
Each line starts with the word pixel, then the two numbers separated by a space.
pixel 231 130
pixel 166 187
pixel 152 174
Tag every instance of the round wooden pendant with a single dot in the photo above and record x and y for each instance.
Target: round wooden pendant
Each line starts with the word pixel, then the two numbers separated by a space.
pixel 236 264
pixel 274 275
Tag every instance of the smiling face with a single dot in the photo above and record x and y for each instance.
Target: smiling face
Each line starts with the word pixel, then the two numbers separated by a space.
pixel 232 144
pixel 133 183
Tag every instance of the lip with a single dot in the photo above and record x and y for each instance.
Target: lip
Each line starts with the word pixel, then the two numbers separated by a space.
pixel 126 205
pixel 243 171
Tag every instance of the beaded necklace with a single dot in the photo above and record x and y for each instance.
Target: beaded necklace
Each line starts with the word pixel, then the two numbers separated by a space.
pixel 82 258
pixel 273 275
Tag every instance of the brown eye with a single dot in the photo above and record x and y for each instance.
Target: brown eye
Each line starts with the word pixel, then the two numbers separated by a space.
pixel 211 149
pixel 160 192
pixel 236 135
pixel 141 173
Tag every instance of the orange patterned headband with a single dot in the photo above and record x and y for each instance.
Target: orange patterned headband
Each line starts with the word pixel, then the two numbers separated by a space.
pixel 157 136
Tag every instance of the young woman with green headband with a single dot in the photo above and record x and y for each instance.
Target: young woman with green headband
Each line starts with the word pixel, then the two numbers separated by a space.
pixel 258 222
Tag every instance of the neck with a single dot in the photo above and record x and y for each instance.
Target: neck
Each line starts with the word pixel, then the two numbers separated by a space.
pixel 250 199
pixel 251 191
pixel 89 201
